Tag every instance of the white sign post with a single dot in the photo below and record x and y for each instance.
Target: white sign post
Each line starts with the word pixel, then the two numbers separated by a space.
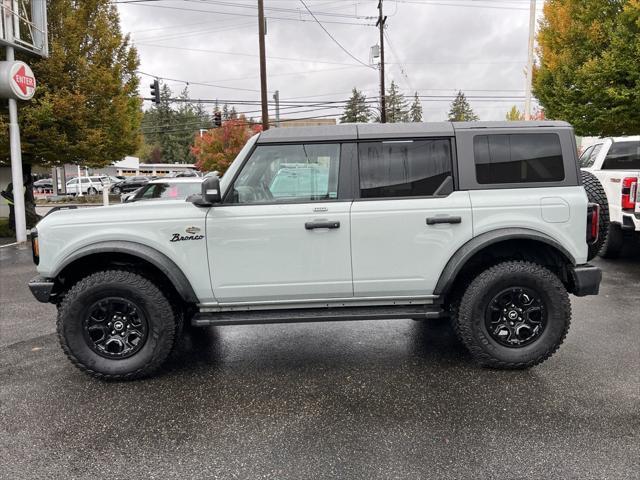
pixel 23 26
pixel 16 82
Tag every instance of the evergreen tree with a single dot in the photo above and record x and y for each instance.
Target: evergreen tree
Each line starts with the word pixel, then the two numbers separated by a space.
pixel 356 109
pixel 460 110
pixel 169 131
pixel 589 72
pixel 415 112
pixel 514 114
pixel 397 108
pixel 86 109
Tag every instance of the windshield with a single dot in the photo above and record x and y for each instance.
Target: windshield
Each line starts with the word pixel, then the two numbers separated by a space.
pixel 168 191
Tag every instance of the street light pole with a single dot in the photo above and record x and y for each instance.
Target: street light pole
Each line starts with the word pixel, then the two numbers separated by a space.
pixel 532 31
pixel 263 66
pixel 380 24
pixel 276 98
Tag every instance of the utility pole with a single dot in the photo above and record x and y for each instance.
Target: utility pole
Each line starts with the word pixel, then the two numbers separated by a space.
pixel 263 67
pixel 380 23
pixel 532 32
pixel 276 98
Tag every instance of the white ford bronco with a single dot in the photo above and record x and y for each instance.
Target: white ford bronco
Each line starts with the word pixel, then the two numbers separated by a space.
pixel 611 172
pixel 484 223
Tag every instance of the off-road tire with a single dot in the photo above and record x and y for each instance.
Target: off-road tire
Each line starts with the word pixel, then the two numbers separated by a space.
pixel 470 318
pixel 146 295
pixel 596 194
pixel 612 247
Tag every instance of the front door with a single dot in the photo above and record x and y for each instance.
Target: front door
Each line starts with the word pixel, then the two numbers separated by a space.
pixel 282 232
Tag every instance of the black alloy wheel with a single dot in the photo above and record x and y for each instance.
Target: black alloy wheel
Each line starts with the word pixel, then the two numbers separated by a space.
pixel 516 317
pixel 115 328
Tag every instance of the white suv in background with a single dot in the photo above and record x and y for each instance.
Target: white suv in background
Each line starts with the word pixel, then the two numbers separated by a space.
pixel 88 185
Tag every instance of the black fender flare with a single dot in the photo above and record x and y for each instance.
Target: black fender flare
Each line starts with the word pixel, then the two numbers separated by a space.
pixel 473 246
pixel 159 260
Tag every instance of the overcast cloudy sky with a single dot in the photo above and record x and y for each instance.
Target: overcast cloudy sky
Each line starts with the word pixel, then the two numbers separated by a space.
pixel 434 47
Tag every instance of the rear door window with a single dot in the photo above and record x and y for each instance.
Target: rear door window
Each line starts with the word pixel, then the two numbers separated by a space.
pixel 405 168
pixel 518 158
pixel 623 156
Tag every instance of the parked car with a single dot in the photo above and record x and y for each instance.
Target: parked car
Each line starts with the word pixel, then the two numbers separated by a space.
pixel 129 185
pixel 611 173
pixel 87 185
pixel 182 173
pixel 43 185
pixel 165 189
pixel 483 223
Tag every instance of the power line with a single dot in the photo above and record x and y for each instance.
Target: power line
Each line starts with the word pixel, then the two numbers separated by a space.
pixel 402 67
pixel 289 59
pixel 189 82
pixel 142 3
pixel 333 38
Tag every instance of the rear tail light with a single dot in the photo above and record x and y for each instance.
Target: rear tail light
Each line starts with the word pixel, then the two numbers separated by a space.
pixel 593 222
pixel 629 191
pixel 35 246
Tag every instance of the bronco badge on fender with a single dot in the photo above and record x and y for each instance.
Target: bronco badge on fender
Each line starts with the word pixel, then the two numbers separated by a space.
pixel 192 231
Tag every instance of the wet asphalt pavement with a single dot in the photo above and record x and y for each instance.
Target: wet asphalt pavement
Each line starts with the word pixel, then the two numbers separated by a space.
pixel 380 399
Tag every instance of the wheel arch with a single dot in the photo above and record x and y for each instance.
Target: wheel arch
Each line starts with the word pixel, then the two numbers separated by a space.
pixel 125 253
pixel 501 245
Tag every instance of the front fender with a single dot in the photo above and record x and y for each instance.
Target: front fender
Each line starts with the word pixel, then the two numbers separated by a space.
pixel 167 266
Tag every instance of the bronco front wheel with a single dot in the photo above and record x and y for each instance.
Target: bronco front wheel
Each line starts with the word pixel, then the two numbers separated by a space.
pixel 116 324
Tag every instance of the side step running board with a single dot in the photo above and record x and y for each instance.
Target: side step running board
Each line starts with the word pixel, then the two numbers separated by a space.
pixel 417 312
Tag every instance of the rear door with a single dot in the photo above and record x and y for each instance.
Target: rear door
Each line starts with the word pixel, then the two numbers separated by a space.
pixel 409 219
pixel 282 233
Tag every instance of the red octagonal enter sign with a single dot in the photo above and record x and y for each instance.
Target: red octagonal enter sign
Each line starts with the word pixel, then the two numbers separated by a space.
pixel 16 81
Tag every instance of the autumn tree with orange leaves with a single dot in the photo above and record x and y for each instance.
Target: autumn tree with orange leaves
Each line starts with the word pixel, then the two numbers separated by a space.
pixel 589 69
pixel 218 147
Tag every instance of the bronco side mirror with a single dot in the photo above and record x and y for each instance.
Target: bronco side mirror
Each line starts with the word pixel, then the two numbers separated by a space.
pixel 210 193
pixel 211 190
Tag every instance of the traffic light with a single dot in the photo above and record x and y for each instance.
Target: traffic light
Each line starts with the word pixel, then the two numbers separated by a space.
pixel 155 92
pixel 217 119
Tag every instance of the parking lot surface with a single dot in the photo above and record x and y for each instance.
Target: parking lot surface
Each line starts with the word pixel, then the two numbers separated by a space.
pixel 384 399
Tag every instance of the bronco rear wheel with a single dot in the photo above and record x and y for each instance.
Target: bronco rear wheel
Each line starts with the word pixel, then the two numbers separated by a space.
pixel 513 315
pixel 116 324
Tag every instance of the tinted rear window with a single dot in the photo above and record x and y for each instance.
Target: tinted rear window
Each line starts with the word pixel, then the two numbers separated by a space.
pixel 518 158
pixel 623 156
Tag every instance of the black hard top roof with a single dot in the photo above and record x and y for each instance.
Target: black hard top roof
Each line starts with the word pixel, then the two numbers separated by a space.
pixel 364 131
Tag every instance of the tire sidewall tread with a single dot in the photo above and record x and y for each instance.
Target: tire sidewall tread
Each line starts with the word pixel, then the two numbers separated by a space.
pixel 470 318
pixel 158 311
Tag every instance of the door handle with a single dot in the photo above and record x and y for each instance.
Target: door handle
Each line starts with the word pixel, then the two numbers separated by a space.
pixel 437 220
pixel 314 225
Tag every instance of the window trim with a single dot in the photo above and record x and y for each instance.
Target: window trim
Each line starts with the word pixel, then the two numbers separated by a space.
pixel 454 168
pixel 345 184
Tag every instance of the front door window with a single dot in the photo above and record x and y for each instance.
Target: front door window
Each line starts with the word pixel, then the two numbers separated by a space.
pixel 288 173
